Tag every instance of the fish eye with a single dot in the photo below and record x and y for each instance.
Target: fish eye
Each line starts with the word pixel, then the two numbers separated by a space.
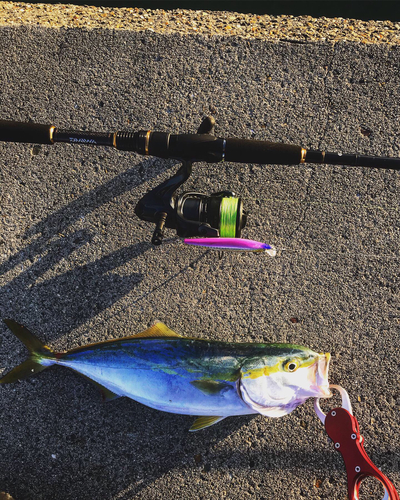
pixel 291 366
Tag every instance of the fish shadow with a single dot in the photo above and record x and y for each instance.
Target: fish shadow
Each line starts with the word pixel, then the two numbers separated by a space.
pixel 121 448
pixel 201 454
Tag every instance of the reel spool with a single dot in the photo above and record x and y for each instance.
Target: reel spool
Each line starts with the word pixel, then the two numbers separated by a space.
pixel 222 211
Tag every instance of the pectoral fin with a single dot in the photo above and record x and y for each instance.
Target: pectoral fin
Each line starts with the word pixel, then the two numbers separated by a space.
pixel 210 387
pixel 203 422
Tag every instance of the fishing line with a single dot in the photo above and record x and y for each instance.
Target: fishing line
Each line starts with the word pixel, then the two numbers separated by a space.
pixel 387 211
pixel 326 204
pixel 281 250
pixel 228 217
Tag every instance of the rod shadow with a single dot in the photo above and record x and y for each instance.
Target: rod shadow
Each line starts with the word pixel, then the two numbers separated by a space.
pixel 70 299
pixel 59 221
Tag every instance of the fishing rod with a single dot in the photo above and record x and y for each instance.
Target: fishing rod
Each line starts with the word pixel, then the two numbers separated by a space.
pixel 202 146
pixel 219 215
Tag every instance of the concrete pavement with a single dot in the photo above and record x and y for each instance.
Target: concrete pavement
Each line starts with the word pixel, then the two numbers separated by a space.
pixel 77 266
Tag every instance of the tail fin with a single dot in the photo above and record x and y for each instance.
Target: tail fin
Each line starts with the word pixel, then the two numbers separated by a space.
pixel 37 351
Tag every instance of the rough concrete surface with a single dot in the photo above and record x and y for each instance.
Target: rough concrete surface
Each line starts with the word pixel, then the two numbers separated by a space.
pixel 77 266
pixel 204 22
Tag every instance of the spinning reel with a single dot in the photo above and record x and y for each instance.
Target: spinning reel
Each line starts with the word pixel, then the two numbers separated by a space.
pixel 192 214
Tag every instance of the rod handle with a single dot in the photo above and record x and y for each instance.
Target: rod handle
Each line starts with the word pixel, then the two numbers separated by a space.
pixel 252 151
pixel 206 147
pixel 11 131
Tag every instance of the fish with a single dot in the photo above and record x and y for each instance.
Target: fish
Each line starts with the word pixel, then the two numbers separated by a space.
pixel 236 244
pixel 209 379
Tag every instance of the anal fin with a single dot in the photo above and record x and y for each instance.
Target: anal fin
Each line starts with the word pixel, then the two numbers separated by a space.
pixel 203 422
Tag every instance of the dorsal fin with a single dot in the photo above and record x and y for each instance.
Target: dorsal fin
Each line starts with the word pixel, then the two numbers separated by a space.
pixel 157 330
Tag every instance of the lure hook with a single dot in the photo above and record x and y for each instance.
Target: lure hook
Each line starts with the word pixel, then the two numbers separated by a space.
pixel 342 427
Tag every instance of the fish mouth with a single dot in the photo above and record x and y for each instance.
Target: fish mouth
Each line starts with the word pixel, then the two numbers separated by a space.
pixel 321 379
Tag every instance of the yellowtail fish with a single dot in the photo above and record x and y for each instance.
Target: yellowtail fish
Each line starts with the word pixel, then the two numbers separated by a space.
pixel 210 379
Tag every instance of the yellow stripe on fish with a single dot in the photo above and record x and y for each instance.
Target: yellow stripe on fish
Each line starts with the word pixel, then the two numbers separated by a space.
pixel 290 366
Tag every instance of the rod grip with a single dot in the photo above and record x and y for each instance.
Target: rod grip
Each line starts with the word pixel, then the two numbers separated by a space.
pixel 252 151
pixel 11 131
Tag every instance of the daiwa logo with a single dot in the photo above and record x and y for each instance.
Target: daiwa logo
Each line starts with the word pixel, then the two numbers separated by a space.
pixel 82 140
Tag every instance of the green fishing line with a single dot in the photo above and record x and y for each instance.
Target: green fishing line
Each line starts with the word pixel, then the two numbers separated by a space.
pixel 228 215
